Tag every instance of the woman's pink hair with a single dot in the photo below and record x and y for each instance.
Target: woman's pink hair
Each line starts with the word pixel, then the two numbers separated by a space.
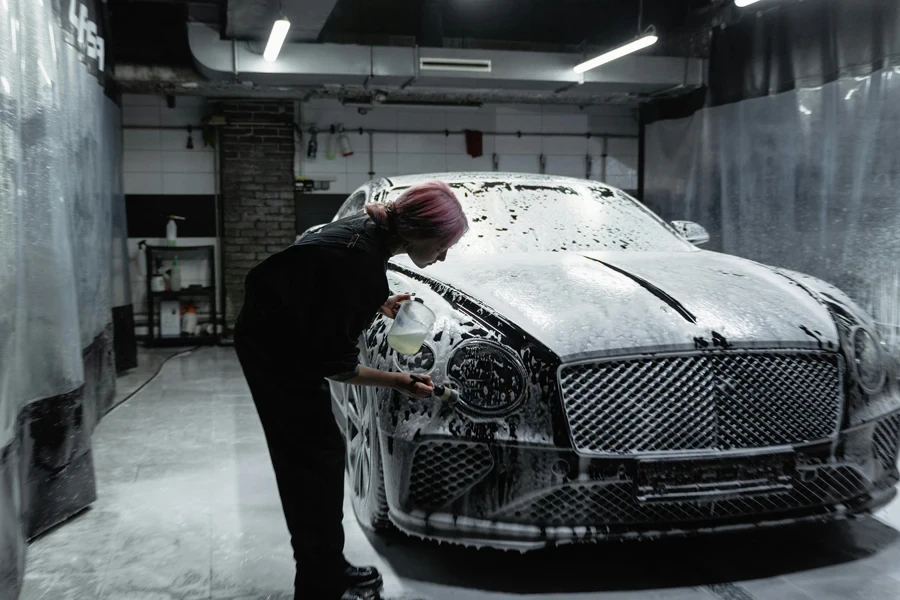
pixel 427 211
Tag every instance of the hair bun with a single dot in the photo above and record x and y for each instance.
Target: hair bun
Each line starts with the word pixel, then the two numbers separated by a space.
pixel 427 211
pixel 379 213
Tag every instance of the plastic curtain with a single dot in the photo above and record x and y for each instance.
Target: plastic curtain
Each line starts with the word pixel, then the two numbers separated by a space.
pixel 808 180
pixel 60 176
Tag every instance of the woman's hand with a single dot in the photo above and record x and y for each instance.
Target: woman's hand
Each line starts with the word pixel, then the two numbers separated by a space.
pixel 414 386
pixel 390 308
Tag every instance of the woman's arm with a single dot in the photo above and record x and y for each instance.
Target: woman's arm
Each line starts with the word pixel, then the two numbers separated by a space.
pixel 401 382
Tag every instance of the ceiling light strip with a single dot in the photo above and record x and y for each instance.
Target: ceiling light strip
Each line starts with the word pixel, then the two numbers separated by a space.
pixel 638 44
pixel 276 39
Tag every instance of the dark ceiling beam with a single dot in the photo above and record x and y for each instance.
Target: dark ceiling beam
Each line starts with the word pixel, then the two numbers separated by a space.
pixel 431 31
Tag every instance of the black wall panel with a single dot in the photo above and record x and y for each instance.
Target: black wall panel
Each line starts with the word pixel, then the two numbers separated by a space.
pixel 148 214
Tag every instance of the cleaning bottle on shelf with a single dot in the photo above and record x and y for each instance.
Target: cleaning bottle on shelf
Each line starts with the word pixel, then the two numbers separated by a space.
pixel 141 258
pixel 172 230
pixel 175 276
pixel 189 320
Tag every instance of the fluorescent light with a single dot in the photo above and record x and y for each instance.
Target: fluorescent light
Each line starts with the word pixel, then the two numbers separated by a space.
pixel 276 39
pixel 647 40
pixel 743 3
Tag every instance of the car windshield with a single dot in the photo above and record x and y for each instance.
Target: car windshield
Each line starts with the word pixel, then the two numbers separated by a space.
pixel 506 217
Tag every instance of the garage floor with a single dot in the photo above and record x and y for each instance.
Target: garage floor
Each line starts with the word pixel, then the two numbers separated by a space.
pixel 188 509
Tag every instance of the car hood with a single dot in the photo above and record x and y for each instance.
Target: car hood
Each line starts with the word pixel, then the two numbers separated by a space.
pixel 597 303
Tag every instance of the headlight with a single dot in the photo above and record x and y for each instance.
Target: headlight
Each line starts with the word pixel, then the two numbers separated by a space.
pixel 490 378
pixel 868 366
pixel 421 362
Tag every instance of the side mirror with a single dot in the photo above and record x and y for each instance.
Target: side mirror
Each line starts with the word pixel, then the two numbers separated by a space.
pixel 692 232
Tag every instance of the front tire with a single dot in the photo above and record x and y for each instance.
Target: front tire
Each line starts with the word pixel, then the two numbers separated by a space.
pixel 364 466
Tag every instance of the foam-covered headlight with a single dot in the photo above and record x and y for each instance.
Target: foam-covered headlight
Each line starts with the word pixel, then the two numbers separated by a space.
pixel 489 377
pixel 421 362
pixel 868 364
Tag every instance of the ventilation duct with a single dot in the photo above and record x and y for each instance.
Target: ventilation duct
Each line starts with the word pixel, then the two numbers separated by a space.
pixel 356 71
pixel 455 64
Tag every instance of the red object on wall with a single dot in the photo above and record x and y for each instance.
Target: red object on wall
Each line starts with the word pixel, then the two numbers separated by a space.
pixel 473 143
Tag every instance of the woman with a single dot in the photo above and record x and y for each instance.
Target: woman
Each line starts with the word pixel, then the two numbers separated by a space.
pixel 304 310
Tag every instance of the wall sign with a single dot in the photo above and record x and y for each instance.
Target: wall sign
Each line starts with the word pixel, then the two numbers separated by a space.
pixel 82 24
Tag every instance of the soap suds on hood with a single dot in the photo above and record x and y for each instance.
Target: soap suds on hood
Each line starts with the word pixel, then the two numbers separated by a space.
pixel 536 216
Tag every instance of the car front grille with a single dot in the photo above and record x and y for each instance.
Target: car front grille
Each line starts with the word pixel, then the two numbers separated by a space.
pixel 704 401
pixel 444 471
pixel 614 503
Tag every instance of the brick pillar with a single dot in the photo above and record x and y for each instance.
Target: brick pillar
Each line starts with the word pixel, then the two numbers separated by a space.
pixel 257 190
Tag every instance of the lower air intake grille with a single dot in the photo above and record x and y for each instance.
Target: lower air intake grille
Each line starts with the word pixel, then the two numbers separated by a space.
pixel 596 504
pixel 885 441
pixel 444 471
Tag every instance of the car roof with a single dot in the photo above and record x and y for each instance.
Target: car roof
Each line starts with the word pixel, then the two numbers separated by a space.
pixel 485 176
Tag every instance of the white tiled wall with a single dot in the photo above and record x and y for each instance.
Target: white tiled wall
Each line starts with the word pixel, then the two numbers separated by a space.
pixel 405 153
pixel 157 161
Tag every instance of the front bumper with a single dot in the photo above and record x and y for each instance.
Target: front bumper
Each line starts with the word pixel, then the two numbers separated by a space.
pixel 480 533
pixel 512 496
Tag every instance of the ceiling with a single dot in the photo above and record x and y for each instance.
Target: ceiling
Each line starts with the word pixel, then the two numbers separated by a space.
pixel 548 25
pixel 152 33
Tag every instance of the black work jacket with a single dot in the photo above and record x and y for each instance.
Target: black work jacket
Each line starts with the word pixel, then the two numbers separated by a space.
pixel 306 306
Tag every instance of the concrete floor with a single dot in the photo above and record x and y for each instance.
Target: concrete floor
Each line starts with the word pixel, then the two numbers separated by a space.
pixel 188 509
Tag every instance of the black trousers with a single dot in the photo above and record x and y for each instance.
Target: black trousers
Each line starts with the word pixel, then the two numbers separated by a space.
pixel 308 454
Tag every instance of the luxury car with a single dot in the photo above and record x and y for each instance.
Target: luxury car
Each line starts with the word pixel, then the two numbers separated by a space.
pixel 614 381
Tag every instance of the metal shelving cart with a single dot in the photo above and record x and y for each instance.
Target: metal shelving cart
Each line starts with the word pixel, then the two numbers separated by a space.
pixel 191 290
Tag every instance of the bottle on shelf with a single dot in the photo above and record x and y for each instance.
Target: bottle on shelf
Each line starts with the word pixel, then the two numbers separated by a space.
pixel 172 230
pixel 189 319
pixel 175 276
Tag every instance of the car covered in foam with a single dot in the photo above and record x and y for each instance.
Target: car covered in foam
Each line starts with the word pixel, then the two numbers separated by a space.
pixel 615 381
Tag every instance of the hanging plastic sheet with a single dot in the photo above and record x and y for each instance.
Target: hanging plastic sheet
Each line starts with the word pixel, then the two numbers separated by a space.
pixel 123 310
pixel 59 177
pixel 808 180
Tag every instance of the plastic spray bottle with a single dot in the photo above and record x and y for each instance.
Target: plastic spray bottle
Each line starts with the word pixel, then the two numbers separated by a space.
pixel 172 230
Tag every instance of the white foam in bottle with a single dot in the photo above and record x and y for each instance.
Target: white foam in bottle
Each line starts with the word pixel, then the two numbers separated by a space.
pixel 411 327
pixel 408 342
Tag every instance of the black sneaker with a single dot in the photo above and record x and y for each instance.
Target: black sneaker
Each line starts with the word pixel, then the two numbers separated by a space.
pixel 363 578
